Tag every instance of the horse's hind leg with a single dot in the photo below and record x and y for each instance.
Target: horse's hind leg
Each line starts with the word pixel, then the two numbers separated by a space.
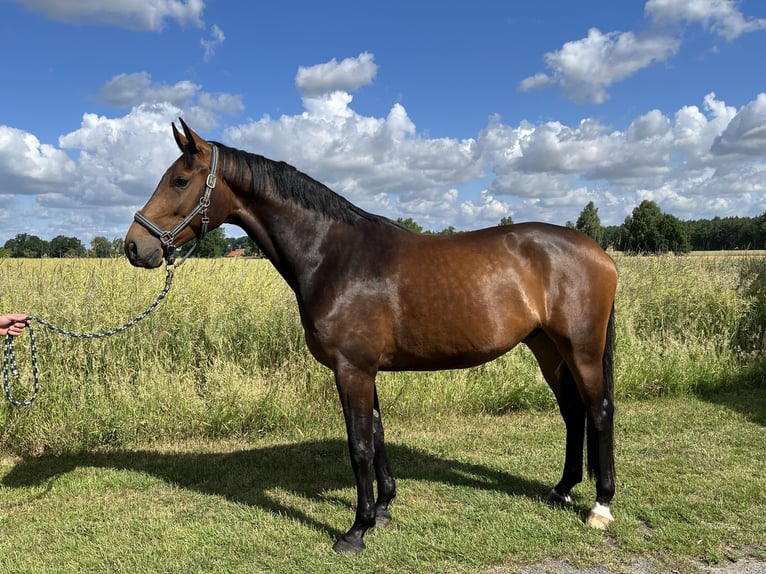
pixel 383 476
pixel 560 379
pixel 601 459
pixel 573 412
pixel 592 369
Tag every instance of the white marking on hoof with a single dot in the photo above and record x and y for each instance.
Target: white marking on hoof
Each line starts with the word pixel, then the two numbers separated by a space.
pixel 600 517
pixel 555 498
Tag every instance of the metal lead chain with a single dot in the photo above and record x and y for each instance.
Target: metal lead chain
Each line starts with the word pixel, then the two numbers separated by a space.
pixel 9 364
pixel 10 368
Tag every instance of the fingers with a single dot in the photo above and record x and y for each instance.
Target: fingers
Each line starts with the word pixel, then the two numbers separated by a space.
pixel 13 324
pixel 16 328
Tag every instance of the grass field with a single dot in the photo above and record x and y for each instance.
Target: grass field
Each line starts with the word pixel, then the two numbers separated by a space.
pixel 224 356
pixel 206 439
pixel 471 488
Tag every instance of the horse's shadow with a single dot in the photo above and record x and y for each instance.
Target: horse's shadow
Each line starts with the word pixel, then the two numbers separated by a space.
pixel 311 470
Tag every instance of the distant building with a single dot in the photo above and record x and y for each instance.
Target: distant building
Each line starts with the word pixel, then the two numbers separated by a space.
pixel 236 253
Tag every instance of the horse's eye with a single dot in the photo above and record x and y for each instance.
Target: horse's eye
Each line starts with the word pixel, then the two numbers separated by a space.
pixel 181 182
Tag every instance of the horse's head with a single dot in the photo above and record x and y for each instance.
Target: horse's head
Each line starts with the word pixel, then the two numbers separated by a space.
pixel 189 200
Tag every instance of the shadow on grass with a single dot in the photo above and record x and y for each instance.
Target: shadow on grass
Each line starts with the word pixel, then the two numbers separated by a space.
pixel 744 393
pixel 309 470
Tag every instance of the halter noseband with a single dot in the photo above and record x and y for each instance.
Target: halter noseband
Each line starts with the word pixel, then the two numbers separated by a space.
pixel 167 238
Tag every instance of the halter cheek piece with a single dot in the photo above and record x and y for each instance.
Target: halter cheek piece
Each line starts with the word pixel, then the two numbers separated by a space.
pixel 167 238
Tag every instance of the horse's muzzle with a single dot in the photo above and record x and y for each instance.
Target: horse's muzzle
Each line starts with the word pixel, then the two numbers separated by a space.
pixel 146 252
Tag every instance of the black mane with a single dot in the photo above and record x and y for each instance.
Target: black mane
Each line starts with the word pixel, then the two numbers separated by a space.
pixel 248 168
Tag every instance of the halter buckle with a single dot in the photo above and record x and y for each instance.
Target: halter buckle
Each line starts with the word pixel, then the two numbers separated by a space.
pixel 167 239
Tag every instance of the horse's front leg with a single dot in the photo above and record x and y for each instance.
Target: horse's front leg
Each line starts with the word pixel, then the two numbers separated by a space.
pixel 357 389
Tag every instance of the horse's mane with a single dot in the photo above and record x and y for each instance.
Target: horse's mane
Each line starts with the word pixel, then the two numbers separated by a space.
pixel 248 168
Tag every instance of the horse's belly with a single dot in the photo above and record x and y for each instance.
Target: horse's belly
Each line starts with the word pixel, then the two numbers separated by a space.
pixel 406 361
pixel 449 342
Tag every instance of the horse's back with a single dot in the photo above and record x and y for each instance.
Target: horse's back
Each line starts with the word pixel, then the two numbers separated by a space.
pixel 520 253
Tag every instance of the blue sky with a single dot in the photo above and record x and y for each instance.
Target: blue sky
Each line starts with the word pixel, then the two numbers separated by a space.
pixel 452 113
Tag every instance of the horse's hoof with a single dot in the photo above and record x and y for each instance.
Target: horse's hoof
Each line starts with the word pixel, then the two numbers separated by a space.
pixel 343 546
pixel 555 498
pixel 382 518
pixel 600 517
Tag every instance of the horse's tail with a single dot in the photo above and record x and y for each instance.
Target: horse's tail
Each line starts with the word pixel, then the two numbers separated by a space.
pixel 608 382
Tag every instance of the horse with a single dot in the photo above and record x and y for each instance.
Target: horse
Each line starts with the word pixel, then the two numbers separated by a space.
pixel 374 296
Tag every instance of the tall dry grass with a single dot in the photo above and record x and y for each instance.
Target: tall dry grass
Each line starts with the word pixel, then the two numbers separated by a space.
pixel 224 353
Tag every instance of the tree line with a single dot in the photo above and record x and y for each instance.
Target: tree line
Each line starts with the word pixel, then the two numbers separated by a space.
pixel 646 230
pixel 215 244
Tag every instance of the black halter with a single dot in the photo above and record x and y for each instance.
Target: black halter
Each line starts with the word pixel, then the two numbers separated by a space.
pixel 167 238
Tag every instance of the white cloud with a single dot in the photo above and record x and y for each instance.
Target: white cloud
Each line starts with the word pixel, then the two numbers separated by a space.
pixel 586 68
pixel 721 17
pixel 120 157
pixel 485 211
pixel 695 130
pixel 346 76
pixel 703 160
pixel 133 14
pixel 128 90
pixel 674 161
pixel 539 171
pixel 746 132
pixel 118 162
pixel 201 108
pixel 29 166
pixel 360 156
pixel 217 38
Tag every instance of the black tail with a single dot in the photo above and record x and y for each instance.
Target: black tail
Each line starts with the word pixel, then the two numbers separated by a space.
pixel 608 370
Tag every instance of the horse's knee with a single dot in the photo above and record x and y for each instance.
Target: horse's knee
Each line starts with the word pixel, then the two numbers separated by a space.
pixel 361 453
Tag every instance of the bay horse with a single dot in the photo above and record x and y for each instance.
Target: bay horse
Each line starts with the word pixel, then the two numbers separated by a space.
pixel 374 296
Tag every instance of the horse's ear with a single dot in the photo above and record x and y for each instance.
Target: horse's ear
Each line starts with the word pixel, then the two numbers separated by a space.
pixel 192 139
pixel 180 139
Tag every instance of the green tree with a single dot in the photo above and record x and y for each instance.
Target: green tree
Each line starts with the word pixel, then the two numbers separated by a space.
pixel 507 220
pixel 410 224
pixel 62 246
pixel 613 236
pixel 649 230
pixel 589 223
pixel 674 235
pixel 214 244
pixel 642 228
pixel 100 247
pixel 118 247
pixel 24 245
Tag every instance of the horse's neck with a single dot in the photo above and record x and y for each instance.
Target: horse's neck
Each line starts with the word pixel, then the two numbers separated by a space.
pixel 290 236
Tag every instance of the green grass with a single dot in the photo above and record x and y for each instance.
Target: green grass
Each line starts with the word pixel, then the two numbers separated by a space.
pixel 690 492
pixel 224 357
pixel 207 439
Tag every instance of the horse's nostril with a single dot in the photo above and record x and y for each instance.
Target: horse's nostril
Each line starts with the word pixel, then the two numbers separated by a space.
pixel 131 249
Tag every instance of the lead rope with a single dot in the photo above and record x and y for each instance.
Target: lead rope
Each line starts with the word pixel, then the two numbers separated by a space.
pixel 10 368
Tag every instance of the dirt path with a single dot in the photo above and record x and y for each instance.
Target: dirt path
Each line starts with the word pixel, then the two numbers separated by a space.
pixel 742 566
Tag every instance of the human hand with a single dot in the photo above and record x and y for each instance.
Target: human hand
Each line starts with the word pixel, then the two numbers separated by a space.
pixel 12 324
